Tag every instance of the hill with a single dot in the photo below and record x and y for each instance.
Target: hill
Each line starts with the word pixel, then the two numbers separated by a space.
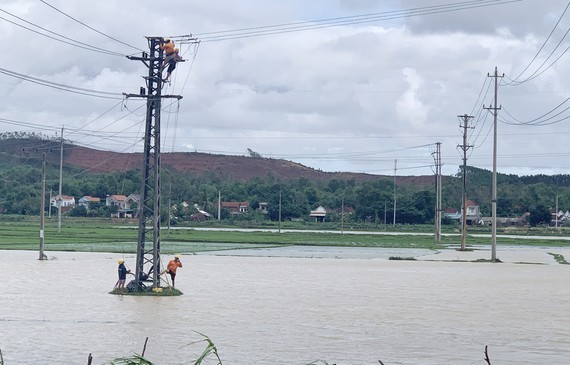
pixel 224 166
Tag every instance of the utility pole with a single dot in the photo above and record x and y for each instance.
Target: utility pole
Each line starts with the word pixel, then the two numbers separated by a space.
pixel 437 217
pixel 495 110
pixel 169 201
pixel 464 147
pixel 556 216
pixel 385 207
pixel 279 210
pixel 439 186
pixel 394 221
pixel 59 197
pixel 43 208
pixel 148 258
pixel 342 216
pixel 219 205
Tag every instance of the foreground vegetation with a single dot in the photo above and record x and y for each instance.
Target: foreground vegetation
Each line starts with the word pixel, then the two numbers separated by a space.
pixel 208 356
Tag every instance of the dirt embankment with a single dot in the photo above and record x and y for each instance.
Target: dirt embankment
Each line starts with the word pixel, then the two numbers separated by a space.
pixel 225 166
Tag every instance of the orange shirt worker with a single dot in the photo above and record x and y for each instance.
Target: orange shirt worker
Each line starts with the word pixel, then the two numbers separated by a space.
pixel 168 49
pixel 167 46
pixel 172 266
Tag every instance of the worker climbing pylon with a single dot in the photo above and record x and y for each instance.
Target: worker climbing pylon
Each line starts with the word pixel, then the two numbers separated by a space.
pixel 173 60
pixel 167 47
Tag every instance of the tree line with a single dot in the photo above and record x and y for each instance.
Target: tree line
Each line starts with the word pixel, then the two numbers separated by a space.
pixel 368 201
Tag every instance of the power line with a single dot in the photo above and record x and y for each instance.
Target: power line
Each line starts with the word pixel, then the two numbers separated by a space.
pixel 68 88
pixel 537 121
pixel 515 80
pixel 536 73
pixel 89 27
pixel 64 39
pixel 348 20
pixel 476 104
pixel 328 20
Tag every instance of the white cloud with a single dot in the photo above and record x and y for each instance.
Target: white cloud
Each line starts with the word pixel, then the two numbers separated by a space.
pixel 409 107
pixel 350 98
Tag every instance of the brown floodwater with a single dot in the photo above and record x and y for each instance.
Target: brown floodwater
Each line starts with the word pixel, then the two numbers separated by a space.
pixel 287 310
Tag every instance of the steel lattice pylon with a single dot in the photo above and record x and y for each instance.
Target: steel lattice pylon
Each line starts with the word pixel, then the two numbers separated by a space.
pixel 148 243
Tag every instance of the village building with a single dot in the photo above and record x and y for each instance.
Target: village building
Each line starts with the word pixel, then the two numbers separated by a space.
pixel 319 214
pixel 236 207
pixel 65 201
pixel 89 202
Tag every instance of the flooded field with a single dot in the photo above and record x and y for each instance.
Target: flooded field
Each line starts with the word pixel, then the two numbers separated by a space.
pixel 353 307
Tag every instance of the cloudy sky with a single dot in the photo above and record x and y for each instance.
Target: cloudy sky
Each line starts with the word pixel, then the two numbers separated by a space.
pixel 337 85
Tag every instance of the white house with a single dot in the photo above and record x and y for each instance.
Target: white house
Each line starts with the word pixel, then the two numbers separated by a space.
pixel 116 200
pixel 64 201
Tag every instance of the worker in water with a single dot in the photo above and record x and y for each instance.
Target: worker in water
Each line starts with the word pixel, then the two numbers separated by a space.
pixel 172 63
pixel 123 271
pixel 172 266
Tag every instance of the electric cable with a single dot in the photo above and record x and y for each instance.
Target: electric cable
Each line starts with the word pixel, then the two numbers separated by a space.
pixel 348 20
pixel 536 73
pixel 547 121
pixel 63 87
pixel 515 80
pixel 89 27
pixel 64 39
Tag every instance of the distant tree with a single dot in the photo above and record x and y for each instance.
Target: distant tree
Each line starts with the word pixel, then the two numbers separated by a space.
pixel 78 211
pixel 539 215
pixel 311 195
pixel 253 154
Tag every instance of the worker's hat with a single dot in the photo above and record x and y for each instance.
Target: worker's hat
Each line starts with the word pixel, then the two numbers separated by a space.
pixel 120 261
pixel 177 256
pixel 167 39
pixel 176 49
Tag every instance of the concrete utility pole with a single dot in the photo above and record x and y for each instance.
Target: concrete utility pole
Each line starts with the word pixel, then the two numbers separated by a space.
pixel 59 197
pixel 556 216
pixel 464 147
pixel 495 110
pixel 219 205
pixel 394 221
pixel 169 202
pixel 279 210
pixel 437 217
pixel 385 207
pixel 43 208
pixel 148 258
pixel 342 216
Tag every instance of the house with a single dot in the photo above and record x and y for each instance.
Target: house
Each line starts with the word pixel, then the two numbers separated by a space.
pixel 120 202
pixel 89 201
pixel 560 217
pixel 452 214
pixel 201 212
pixel 116 200
pixel 236 207
pixel 133 203
pixel 472 213
pixel 319 214
pixel 66 202
pixel 263 208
